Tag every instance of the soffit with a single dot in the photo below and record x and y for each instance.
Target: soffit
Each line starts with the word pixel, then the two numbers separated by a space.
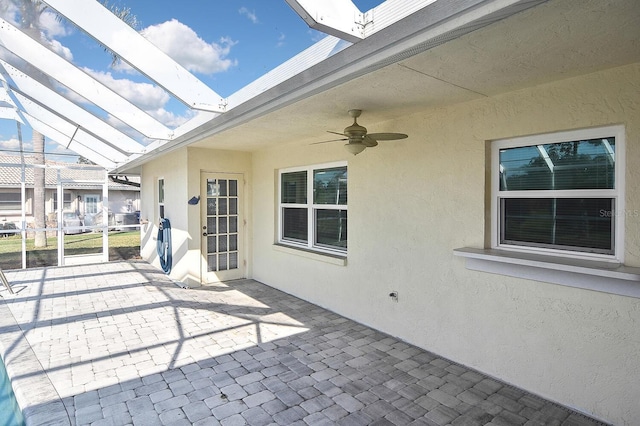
pixel 555 40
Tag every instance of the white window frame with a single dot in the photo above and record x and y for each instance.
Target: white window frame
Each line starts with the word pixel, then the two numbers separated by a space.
pixel 618 193
pixel 311 210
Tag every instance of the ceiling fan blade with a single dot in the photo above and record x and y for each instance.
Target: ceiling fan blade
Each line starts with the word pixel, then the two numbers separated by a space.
pixel 369 142
pixel 332 140
pixel 336 133
pixel 387 136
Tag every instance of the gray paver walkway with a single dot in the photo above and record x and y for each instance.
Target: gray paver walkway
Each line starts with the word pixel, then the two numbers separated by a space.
pixel 119 344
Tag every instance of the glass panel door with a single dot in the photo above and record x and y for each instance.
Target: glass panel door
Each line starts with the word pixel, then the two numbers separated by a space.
pixel 221 227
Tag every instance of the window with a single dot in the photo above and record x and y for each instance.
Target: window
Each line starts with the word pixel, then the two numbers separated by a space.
pixel 313 207
pixel 10 201
pixel 560 193
pixel 161 198
pixel 66 201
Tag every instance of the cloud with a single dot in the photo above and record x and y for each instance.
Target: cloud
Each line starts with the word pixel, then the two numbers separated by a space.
pixel 183 45
pixel 52 26
pixel 281 39
pixel 249 14
pixel 61 50
pixel 12 144
pixel 146 96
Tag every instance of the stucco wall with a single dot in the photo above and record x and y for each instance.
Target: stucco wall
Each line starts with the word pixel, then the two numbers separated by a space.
pixel 412 202
pixel 181 171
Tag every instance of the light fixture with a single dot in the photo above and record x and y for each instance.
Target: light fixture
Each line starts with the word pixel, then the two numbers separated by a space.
pixel 355 148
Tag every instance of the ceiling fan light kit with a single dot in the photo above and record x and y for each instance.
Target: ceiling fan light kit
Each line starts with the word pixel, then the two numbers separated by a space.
pixel 355 148
pixel 358 138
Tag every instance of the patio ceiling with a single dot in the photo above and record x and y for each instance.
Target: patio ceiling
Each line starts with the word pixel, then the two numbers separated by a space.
pixel 401 57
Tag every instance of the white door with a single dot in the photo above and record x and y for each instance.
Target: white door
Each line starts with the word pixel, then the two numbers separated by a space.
pixel 222 226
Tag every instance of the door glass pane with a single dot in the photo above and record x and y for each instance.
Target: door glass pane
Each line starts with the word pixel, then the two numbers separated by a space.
pixel 211 244
pixel 233 206
pixel 222 243
pixel 233 188
pixel 211 206
pixel 211 225
pixel 331 228
pixel 233 242
pixel 233 224
pixel 294 187
pixel 212 188
pixel 579 224
pixel 233 260
pixel 330 186
pixel 222 206
pixel 222 225
pixel 223 187
pixel 222 262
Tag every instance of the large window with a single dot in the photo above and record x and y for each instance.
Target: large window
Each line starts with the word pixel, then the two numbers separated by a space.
pixel 66 201
pixel 560 193
pixel 313 207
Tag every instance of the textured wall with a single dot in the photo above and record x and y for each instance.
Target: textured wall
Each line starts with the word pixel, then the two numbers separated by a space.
pixel 412 202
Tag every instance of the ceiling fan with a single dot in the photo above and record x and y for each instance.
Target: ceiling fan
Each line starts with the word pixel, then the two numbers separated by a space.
pixel 358 138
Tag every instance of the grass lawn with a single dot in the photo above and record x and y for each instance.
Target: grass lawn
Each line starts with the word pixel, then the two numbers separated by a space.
pixel 122 246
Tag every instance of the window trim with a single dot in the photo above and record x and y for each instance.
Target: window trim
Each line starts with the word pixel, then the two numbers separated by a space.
pixel 618 193
pixel 310 244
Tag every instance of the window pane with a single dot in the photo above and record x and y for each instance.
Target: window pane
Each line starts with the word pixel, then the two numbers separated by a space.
pixel 579 224
pixel 233 206
pixel 331 228
pixel 211 206
pixel 587 164
pixel 294 224
pixel 233 188
pixel 233 260
pixel 223 187
pixel 222 206
pixel 233 224
pixel 211 225
pixel 213 190
pixel 233 242
pixel 294 187
pixel 330 186
pixel 222 225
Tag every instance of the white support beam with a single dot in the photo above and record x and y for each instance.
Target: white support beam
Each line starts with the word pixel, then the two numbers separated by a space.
pixel 65 131
pixel 22 83
pixel 127 43
pixel 80 149
pixel 80 82
pixel 339 18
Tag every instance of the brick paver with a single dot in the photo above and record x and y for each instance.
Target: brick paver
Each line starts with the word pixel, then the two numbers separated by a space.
pixel 122 344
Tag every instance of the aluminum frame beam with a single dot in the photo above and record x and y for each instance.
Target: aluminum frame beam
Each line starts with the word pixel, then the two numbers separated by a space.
pixel 127 43
pixel 80 82
pixel 339 18
pixel 19 82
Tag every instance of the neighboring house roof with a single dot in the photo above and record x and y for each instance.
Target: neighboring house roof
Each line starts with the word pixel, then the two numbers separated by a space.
pixel 74 176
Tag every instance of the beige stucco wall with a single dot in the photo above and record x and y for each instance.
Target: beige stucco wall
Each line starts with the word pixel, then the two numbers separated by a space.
pixel 412 202
pixel 181 172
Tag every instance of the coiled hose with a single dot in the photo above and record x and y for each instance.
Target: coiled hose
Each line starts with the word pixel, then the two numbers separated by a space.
pixel 164 245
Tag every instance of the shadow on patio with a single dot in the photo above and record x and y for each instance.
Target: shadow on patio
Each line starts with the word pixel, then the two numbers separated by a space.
pixel 119 343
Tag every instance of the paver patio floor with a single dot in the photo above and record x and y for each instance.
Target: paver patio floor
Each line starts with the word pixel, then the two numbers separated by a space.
pixel 119 344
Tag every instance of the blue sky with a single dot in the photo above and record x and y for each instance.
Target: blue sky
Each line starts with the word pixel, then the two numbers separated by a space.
pixel 227 44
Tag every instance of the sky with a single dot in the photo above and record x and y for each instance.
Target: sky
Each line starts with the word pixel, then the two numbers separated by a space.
pixel 226 44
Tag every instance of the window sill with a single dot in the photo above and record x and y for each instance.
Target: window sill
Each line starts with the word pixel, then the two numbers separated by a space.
pixel 314 255
pixel 605 277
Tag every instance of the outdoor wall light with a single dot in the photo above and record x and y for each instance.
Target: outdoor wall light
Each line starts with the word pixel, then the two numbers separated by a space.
pixel 194 200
